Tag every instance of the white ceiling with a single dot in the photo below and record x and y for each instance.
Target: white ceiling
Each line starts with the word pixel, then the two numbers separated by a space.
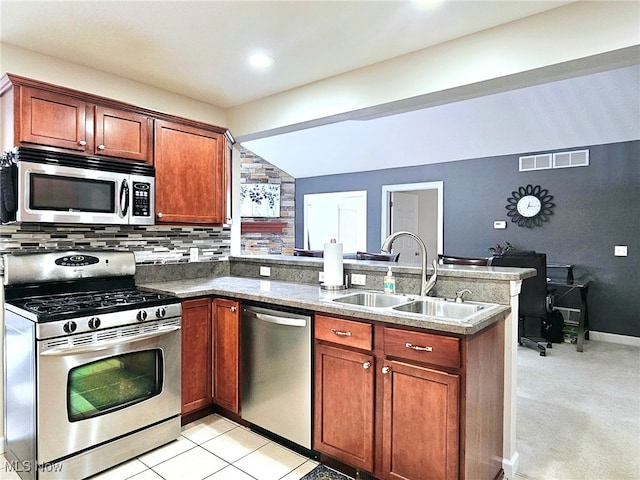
pixel 199 49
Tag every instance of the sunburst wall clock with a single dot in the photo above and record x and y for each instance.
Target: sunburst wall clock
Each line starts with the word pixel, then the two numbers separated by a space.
pixel 530 206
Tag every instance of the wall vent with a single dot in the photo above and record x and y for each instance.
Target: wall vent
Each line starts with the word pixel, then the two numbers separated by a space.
pixel 536 162
pixel 576 158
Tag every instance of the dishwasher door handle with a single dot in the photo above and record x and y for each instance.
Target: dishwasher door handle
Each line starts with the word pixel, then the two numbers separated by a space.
pixel 265 317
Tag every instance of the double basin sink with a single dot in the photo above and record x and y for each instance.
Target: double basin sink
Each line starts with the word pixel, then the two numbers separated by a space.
pixel 428 306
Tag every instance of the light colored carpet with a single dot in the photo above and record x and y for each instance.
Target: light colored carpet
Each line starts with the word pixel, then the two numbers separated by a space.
pixel 578 413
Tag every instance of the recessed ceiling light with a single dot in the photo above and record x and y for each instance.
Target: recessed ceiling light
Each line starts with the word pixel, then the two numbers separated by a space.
pixel 261 60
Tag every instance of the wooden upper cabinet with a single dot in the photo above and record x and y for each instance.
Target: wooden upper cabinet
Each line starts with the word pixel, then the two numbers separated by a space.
pixel 191 172
pixel 51 119
pixel 122 134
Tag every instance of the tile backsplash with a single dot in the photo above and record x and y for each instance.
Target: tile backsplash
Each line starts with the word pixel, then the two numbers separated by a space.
pixel 150 244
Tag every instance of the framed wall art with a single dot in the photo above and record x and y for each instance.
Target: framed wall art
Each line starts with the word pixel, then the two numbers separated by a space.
pixel 259 200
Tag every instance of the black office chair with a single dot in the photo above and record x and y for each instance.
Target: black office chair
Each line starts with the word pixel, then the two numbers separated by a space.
pixel 301 252
pixel 535 301
pixel 381 257
pixel 451 260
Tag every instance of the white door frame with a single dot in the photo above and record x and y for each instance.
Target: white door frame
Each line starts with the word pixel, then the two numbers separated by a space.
pixel 385 223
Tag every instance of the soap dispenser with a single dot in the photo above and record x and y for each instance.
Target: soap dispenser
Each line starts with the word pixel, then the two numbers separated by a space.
pixel 389 282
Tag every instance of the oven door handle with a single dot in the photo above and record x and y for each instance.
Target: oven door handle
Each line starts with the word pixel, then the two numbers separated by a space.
pixel 105 345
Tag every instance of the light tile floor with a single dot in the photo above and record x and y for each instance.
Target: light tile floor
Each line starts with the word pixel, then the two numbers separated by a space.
pixel 214 448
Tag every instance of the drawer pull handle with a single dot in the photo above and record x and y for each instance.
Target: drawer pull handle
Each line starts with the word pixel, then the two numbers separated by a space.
pixel 366 365
pixel 419 349
pixel 341 333
pixel 385 370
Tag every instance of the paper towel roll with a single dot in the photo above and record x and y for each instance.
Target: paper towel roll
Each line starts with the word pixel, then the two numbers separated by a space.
pixel 333 269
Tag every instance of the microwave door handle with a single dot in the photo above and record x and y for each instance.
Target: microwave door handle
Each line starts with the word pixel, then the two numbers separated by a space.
pixel 124 197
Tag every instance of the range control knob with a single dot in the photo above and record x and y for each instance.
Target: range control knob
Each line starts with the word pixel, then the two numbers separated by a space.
pixel 94 323
pixel 161 312
pixel 69 327
pixel 141 316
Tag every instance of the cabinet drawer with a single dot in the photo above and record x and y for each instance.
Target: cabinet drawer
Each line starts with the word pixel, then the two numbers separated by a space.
pixel 422 347
pixel 343 332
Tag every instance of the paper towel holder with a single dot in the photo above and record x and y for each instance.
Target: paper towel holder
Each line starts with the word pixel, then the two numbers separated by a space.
pixel 344 286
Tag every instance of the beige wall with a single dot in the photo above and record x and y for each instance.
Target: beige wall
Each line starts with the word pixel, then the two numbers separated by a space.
pixel 530 51
pixel 51 70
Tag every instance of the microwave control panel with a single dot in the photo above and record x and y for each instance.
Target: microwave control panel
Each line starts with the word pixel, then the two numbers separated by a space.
pixel 141 199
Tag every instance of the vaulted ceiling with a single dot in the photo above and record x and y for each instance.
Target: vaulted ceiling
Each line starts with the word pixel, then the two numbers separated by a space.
pixel 199 49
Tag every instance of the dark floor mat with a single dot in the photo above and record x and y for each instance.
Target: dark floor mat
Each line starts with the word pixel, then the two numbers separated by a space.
pixel 324 473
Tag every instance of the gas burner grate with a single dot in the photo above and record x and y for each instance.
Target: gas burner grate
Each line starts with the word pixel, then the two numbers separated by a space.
pixel 83 304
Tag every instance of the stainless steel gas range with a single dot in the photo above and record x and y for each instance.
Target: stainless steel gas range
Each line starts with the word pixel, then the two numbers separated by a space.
pixel 92 364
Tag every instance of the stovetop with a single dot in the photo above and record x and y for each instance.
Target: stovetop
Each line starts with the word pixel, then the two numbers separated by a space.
pixel 50 308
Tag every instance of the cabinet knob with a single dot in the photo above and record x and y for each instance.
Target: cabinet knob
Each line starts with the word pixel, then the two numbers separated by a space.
pixel 100 147
pixel 366 365
pixel 233 308
pixel 159 215
pixel 386 370
pixel 82 143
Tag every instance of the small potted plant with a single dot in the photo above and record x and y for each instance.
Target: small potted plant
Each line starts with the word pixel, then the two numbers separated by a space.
pixel 498 249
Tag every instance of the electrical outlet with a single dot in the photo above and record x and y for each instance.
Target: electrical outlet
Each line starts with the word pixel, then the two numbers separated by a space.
pixel 358 279
pixel 193 254
pixel 265 271
pixel 321 276
pixel 620 250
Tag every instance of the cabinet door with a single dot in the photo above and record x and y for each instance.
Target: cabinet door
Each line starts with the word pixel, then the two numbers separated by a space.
pixel 196 354
pixel 52 119
pixel 344 405
pixel 190 174
pixel 122 134
pixel 226 346
pixel 420 423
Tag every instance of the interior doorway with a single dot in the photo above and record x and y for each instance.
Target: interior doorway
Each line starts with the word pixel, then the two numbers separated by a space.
pixel 417 208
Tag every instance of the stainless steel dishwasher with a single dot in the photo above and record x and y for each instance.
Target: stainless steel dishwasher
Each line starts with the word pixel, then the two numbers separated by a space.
pixel 276 372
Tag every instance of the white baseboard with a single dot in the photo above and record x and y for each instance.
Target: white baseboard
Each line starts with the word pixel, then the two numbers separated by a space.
pixel 510 466
pixel 614 338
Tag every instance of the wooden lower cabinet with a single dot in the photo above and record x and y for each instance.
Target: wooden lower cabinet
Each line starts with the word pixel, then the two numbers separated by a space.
pixel 226 351
pixel 196 354
pixel 344 405
pixel 412 405
pixel 420 423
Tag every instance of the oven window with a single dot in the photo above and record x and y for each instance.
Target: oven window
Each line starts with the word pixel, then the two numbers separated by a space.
pixel 50 192
pixel 116 382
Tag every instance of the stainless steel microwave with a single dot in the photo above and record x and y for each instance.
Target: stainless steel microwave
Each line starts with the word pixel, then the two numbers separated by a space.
pixel 51 187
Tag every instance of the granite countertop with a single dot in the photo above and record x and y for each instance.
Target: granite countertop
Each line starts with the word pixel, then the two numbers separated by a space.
pixel 313 298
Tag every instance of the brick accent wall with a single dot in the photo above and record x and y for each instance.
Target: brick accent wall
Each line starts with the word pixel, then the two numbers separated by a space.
pixel 254 169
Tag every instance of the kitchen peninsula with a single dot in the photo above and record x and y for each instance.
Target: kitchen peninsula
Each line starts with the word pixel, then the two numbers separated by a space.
pixel 478 370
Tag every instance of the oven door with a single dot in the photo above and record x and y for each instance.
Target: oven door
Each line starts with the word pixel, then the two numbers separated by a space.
pixel 88 394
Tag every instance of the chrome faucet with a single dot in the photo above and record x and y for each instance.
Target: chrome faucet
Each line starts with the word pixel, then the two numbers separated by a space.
pixel 427 286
